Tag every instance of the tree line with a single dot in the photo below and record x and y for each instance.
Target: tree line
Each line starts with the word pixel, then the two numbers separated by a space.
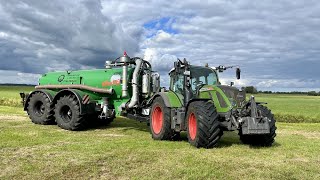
pixel 254 90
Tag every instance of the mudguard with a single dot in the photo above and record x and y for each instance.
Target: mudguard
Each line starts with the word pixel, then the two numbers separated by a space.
pixel 84 108
pixel 50 94
pixel 170 99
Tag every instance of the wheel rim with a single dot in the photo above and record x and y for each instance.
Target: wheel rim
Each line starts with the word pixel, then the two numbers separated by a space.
pixel 66 114
pixel 192 126
pixel 157 118
pixel 39 108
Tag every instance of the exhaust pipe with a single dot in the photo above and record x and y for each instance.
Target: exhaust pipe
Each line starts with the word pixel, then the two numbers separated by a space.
pixel 135 89
pixel 124 59
pixel 124 80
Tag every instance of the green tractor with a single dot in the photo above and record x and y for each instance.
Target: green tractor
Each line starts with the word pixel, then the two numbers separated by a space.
pixel 196 102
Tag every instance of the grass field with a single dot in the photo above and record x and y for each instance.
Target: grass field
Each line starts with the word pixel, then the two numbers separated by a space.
pixel 293 108
pixel 125 149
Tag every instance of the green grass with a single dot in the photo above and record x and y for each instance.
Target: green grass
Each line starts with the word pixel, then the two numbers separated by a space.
pixel 126 150
pixel 9 110
pixel 292 108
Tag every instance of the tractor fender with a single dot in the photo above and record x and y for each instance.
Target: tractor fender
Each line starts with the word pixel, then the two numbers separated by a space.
pixel 50 94
pixel 170 99
pixel 193 100
pixel 84 108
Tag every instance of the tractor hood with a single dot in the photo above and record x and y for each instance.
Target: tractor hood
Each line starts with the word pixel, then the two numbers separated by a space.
pixel 226 95
pixel 233 93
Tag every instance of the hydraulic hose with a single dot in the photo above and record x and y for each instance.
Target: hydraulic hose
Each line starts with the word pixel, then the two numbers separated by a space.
pixel 77 86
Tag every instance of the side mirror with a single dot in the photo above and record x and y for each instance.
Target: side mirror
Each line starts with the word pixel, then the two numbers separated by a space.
pixel 238 72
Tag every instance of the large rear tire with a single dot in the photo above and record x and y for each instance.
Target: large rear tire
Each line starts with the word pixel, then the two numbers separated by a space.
pixel 39 109
pixel 160 121
pixel 261 140
pixel 203 127
pixel 67 114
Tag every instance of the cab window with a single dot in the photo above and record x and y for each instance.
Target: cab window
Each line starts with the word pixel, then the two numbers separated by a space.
pixel 200 75
pixel 177 83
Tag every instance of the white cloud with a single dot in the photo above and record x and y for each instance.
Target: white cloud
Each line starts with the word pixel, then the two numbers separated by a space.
pixel 18 77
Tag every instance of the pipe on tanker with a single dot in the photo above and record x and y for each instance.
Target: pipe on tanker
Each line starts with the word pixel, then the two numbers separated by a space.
pixel 77 86
pixel 135 89
pixel 124 80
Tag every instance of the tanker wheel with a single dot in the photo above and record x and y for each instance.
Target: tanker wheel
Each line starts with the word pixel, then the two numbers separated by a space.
pixel 39 109
pixel 67 114
pixel 203 127
pixel 160 121
pixel 261 140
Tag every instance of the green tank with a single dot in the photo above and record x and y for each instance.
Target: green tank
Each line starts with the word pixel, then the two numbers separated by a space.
pixel 109 80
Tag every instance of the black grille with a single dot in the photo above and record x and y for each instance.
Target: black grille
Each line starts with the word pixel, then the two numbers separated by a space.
pixel 234 93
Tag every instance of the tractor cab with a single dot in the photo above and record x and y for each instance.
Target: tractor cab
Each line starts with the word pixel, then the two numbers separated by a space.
pixel 188 80
pixel 191 78
pixel 199 76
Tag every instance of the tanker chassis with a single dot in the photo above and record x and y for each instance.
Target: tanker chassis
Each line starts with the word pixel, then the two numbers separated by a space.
pixel 196 102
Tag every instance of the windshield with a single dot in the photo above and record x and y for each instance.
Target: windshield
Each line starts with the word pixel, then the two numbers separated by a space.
pixel 201 75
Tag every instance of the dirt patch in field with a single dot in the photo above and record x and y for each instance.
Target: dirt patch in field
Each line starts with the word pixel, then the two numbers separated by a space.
pixel 12 118
pixel 31 153
pixel 9 170
pixel 105 171
pixel 309 135
pixel 111 135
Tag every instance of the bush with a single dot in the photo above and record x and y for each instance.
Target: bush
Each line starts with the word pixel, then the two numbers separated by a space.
pixel 313 93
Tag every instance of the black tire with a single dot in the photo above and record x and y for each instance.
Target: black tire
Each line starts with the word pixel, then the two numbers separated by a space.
pixel 160 121
pixel 261 140
pixel 67 114
pixel 203 126
pixel 39 109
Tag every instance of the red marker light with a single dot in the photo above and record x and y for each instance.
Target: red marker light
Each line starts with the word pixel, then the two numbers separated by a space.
pixel 125 53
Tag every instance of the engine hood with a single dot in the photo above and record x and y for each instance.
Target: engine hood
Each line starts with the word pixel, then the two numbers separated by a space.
pixel 234 94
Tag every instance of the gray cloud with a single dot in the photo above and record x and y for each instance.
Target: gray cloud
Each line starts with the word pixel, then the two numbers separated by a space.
pixel 40 36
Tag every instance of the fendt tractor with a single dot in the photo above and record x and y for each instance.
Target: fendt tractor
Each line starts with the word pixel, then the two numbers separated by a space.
pixel 196 102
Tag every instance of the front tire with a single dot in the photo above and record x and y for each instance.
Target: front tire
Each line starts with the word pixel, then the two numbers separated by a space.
pixel 67 114
pixel 39 109
pixel 160 121
pixel 203 127
pixel 261 140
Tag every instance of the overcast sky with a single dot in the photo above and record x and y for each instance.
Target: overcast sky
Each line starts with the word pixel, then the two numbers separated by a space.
pixel 276 43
